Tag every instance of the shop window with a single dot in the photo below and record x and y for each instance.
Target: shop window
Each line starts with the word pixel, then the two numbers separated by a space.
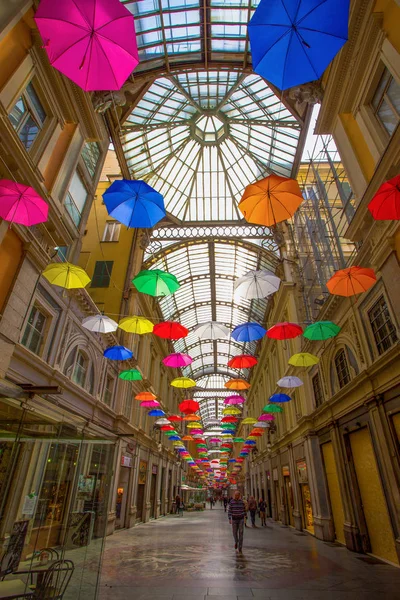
pixel 28 116
pixel 386 102
pixel 75 199
pixel 90 155
pixel 317 389
pixel 342 368
pixel 108 390
pixel 111 231
pixel 33 336
pixel 382 327
pixel 102 274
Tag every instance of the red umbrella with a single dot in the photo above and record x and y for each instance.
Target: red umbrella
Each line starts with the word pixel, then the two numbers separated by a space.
pixel 189 406
pixel 385 205
pixel 175 418
pixel 229 420
pixel 242 361
pixel 284 331
pixel 167 428
pixel 170 330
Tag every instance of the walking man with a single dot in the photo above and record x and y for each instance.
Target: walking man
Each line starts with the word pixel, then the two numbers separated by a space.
pixel 236 514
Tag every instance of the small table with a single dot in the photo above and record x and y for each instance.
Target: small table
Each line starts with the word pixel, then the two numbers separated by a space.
pixel 14 588
pixel 27 567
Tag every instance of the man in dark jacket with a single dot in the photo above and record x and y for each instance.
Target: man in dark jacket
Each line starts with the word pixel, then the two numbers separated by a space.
pixel 236 514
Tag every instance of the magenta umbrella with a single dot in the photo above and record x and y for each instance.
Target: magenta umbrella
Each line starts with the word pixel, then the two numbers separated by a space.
pixel 93 42
pixel 266 417
pixel 149 404
pixel 20 204
pixel 234 400
pixel 177 360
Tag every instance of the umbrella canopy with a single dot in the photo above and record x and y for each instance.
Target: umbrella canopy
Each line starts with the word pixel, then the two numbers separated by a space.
pixel 242 361
pixel 183 383
pixel 92 42
pixel 247 332
pixel 257 284
pixel 290 382
pixel 157 413
pixel 145 396
pixel 211 331
pixel 385 205
pixel 118 353
pixel 231 411
pixel 131 375
pixel 262 424
pixel 284 331
pixel 139 325
pixel 303 359
pixel 177 360
pixel 156 283
pixel 21 204
pixel 170 330
pixel 279 398
pixel 322 330
pixel 351 281
pixel 149 404
pixel 270 416
pixel 249 421
pixel 66 275
pixel 174 438
pixel 99 324
pixel 189 406
pixel 175 418
pixel 270 200
pixel 162 422
pixel 187 438
pixel 293 41
pixel 134 203
pixel 234 400
pixel 192 426
pixel 229 420
pixel 238 440
pixel 237 384
pixel 167 427
pixel 192 418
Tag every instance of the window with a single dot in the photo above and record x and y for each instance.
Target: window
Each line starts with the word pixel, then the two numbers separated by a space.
pixel 76 199
pixel 386 102
pixel 62 252
pixel 342 368
pixel 80 369
pixel 34 331
pixel 102 273
pixel 108 390
pixel 317 388
pixel 28 116
pixel 90 155
pixel 128 405
pixel 382 326
pixel 111 231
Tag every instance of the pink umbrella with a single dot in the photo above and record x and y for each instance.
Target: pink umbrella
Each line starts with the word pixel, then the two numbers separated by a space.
pixel 266 417
pixel 21 204
pixel 234 400
pixel 196 432
pixel 177 360
pixel 93 42
pixel 149 404
pixel 214 440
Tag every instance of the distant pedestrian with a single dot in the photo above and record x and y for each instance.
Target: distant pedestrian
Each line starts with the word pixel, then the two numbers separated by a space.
pixel 225 503
pixel 236 515
pixel 262 507
pixel 246 507
pixel 211 502
pixel 253 510
pixel 177 503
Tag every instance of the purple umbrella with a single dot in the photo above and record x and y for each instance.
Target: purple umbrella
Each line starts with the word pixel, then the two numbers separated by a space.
pixel 177 360
pixel 266 417
pixel 234 400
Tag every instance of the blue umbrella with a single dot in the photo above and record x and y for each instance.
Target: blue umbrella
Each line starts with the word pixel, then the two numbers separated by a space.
pixel 134 203
pixel 293 41
pixel 279 398
pixel 117 353
pixel 174 438
pixel 251 442
pixel 247 332
pixel 159 413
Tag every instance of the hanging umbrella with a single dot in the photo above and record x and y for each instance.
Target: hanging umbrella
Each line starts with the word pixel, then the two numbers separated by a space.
pixel 162 422
pixel 174 438
pixel 145 396
pixel 149 404
pixel 214 440
pixel 156 283
pixel 385 205
pixel 134 203
pixel 189 406
pixel 231 411
pixel 187 438
pixel 167 427
pixel 66 275
pixel 131 375
pixel 234 400
pixel 257 285
pixel 303 359
pixel 170 330
pixel 211 331
pixel 183 383
pixel 242 361
pixel 191 418
pixel 290 382
pixel 248 332
pixel 229 420
pixel 351 281
pixel 270 416
pixel 237 384
pixel 279 398
pixel 262 424
pixel 118 353
pixel 156 413
pixel 175 418
pixel 322 330
pixel 21 204
pixel 238 440
pixel 249 421
pixel 270 200
pixel 178 360
pixel 92 42
pixel 192 426
pixel 293 42
pixel 99 324
pixel 272 408
pixel 138 325
pixel 284 331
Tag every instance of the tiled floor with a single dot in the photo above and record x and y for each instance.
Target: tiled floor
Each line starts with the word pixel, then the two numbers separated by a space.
pixel 193 558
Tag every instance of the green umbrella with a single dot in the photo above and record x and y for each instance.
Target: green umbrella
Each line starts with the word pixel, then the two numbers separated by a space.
pixel 239 440
pixel 131 375
pixel 322 330
pixel 156 283
pixel 272 408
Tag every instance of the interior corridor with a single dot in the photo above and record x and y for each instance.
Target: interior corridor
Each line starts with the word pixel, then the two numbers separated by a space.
pixel 192 557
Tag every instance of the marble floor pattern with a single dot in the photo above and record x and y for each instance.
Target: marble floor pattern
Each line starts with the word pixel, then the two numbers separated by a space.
pixel 193 558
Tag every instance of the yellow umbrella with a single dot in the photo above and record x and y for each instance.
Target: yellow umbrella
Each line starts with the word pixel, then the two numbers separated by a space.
pixel 183 382
pixel 231 411
pixel 249 421
pixel 137 325
pixel 66 275
pixel 192 425
pixel 303 359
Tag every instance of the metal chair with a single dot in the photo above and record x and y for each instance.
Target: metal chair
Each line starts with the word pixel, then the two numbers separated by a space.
pixel 55 581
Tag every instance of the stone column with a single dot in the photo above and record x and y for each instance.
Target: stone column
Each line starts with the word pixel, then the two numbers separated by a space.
pixel 147 502
pixel 157 511
pixel 298 521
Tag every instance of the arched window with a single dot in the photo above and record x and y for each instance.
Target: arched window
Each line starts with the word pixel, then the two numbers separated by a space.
pixel 342 368
pixel 79 369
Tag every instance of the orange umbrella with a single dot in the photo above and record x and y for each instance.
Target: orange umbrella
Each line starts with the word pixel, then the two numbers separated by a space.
pixel 351 281
pixel 187 438
pixel 237 384
pixel 145 396
pixel 192 418
pixel 270 200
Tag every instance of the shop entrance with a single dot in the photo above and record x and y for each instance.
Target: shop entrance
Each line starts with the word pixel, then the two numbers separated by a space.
pixel 289 500
pixel 307 507
pixel 122 497
pixel 277 500
pixel 334 491
pixel 153 488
